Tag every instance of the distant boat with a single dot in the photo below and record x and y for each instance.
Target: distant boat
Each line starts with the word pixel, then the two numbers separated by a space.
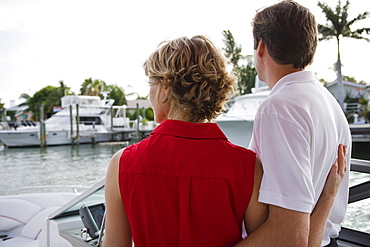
pixel 96 124
pixel 237 122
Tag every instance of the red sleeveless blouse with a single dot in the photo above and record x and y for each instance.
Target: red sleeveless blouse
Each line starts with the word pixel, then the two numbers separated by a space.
pixel 186 185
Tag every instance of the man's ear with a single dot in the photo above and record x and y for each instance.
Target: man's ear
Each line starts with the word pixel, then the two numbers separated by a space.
pixel 261 48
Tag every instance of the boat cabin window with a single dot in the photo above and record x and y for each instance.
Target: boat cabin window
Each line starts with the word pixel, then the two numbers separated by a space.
pixel 90 121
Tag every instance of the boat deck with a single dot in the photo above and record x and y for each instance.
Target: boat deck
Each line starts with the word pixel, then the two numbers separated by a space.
pixel 360 132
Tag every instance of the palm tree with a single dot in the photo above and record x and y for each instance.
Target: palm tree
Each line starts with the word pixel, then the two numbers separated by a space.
pixel 2 112
pixel 63 89
pixel 92 87
pixel 45 96
pixel 55 97
pixel 26 98
pixel 117 93
pixel 339 26
pixel 232 49
pixel 84 90
pixel 246 73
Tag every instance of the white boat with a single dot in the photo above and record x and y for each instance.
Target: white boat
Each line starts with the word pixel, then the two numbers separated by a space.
pixel 47 219
pixel 360 132
pixel 59 219
pixel 96 124
pixel 237 122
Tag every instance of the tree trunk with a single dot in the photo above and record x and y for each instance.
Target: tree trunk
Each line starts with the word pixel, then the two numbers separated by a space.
pixel 340 87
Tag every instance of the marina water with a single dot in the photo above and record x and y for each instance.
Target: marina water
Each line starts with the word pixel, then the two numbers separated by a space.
pixel 85 165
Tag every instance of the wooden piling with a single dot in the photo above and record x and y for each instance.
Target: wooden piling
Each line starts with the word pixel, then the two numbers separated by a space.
pixel 71 123
pixel 42 131
pixel 77 125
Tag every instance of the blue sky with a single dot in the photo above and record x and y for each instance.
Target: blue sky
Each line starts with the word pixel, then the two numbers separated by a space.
pixel 45 41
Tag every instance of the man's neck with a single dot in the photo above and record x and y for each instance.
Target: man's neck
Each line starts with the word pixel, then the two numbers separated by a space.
pixel 279 71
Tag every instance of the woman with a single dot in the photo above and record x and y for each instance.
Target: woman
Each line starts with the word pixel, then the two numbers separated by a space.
pixel 186 184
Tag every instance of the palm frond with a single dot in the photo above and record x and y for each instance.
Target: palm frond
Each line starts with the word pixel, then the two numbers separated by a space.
pixel 329 13
pixel 361 30
pixel 326 32
pixel 360 17
pixel 356 35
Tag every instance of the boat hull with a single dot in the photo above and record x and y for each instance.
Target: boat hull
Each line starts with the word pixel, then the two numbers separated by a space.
pixel 53 138
pixel 239 132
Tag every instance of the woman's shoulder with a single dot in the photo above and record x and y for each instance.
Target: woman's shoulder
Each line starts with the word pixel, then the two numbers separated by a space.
pixel 118 154
pixel 114 162
pixel 242 151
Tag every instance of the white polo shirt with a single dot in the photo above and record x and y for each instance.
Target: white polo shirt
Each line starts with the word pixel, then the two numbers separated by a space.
pixel 296 134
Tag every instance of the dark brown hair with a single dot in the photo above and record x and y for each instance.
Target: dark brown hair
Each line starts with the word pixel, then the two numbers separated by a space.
pixel 289 31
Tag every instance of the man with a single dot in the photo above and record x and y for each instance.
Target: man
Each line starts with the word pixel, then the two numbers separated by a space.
pixel 296 129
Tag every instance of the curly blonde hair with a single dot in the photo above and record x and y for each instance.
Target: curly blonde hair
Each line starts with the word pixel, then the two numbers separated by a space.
pixel 195 72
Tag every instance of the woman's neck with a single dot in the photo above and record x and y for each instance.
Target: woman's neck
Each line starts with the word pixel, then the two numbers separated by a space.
pixel 179 114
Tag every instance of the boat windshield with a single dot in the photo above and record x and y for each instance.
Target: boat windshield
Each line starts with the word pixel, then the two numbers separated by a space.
pixel 93 195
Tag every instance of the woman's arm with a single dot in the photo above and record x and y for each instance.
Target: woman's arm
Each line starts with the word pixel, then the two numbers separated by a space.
pixel 117 227
pixel 256 212
pixel 323 207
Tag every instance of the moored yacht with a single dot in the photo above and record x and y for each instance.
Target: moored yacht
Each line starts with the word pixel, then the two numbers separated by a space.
pixel 237 122
pixel 82 119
